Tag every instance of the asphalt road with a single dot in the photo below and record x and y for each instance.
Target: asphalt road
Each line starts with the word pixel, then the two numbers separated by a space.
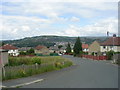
pixel 84 74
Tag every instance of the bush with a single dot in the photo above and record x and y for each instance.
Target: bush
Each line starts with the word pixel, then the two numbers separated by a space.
pixel 54 54
pixel 23 53
pixel 110 55
pixel 36 60
pixel 85 53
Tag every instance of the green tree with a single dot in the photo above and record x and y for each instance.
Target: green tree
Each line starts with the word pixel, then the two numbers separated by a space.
pixel 60 46
pixel 30 51
pixel 2 43
pixel 110 54
pixel 77 47
pixel 23 53
pixel 68 49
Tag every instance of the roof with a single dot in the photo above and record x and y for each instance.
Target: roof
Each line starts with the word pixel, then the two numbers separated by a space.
pixel 40 47
pixel 84 46
pixel 111 41
pixel 24 48
pixel 54 48
pixel 8 47
pixel 1 50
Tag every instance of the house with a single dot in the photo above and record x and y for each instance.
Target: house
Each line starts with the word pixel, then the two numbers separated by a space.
pixel 112 43
pixel 3 57
pixel 43 50
pixel 94 48
pixel 12 50
pixel 54 49
pixel 85 47
pixel 24 49
pixel 62 50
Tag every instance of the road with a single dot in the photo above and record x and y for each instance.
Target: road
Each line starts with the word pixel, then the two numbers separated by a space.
pixel 84 74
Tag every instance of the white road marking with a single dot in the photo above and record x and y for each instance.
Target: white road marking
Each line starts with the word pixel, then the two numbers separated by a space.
pixel 2 86
pixel 19 85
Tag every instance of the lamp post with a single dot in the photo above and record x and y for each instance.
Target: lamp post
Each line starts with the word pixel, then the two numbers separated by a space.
pixel 114 35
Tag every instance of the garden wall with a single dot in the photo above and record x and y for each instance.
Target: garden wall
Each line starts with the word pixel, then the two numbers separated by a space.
pixel 95 57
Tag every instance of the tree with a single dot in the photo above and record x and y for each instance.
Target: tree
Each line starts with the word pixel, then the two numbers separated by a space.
pixel 2 43
pixel 77 47
pixel 30 51
pixel 68 49
pixel 23 53
pixel 110 54
pixel 60 46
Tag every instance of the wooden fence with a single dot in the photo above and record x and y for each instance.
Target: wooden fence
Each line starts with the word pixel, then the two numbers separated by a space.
pixel 95 57
pixel 13 71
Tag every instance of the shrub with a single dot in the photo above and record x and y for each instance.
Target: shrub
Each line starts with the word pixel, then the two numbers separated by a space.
pixel 110 55
pixel 23 53
pixel 36 60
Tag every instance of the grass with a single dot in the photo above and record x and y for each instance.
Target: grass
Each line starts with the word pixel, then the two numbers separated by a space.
pixel 50 63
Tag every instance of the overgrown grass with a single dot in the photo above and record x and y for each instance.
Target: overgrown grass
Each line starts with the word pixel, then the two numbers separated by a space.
pixel 51 63
pixel 16 61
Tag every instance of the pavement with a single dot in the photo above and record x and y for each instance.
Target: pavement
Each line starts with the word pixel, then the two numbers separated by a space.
pixel 85 73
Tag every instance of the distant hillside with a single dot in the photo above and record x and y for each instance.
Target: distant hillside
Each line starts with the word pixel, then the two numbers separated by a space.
pixel 49 40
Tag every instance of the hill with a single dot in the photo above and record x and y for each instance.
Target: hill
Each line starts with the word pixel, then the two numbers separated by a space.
pixel 50 40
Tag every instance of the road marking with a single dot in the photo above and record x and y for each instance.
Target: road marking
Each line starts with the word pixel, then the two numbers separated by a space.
pixel 2 86
pixel 20 85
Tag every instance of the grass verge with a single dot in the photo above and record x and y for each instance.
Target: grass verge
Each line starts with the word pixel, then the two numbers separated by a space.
pixel 46 64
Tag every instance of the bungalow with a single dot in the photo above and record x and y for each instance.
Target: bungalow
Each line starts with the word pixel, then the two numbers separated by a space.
pixel 53 49
pixel 43 50
pixel 112 43
pixel 12 50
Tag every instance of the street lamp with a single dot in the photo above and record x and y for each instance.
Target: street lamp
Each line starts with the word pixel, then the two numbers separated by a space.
pixel 114 35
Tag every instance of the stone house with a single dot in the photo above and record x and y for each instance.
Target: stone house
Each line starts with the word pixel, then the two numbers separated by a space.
pixel 94 48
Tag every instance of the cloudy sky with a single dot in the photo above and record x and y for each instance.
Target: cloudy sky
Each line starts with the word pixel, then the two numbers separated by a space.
pixel 29 18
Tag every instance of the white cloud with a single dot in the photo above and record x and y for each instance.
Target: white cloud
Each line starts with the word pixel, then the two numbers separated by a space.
pixel 15 27
pixel 35 18
pixel 63 0
pixel 25 28
pixel 75 19
pixel 55 9
pixel 96 29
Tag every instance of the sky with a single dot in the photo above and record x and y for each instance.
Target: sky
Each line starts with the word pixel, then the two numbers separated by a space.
pixel 28 18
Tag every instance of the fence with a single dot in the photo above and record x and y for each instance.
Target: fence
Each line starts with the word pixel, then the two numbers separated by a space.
pixel 25 70
pixel 95 57
pixel 12 72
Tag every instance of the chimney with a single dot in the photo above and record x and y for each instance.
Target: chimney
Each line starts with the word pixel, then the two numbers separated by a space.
pixel 114 35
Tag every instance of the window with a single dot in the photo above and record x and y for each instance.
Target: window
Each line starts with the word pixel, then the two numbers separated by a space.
pixel 104 47
pixel 111 47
